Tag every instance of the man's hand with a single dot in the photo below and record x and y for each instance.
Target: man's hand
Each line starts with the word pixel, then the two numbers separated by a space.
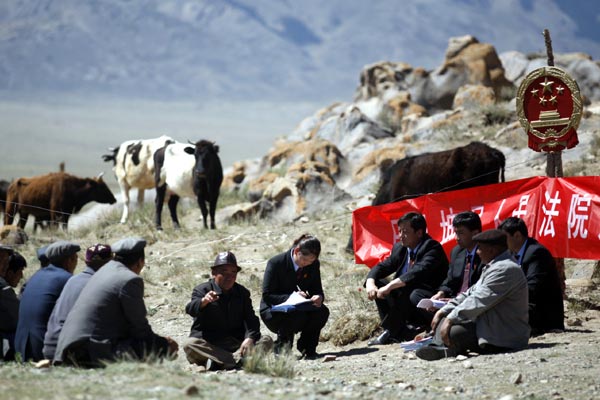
pixel 371 289
pixel 209 297
pixel 436 319
pixel 173 346
pixel 317 300
pixel 438 295
pixel 445 331
pixel 246 346
pixel 382 292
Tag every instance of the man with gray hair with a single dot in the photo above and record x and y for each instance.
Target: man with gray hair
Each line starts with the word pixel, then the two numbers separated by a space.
pixel 108 320
pixel 39 298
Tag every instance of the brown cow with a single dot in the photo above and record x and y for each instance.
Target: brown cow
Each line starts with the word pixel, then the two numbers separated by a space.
pixel 463 167
pixel 53 197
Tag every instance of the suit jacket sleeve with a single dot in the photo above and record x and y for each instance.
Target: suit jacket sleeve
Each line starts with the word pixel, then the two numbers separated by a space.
pixel 9 308
pixel 311 280
pixel 193 307
pixel 132 302
pixel 392 264
pixel 274 290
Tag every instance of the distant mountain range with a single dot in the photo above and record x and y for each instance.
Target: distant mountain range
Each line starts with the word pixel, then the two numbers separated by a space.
pixel 258 49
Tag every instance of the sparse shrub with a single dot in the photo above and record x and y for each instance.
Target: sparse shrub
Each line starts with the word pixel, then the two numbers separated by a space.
pixel 279 365
pixel 349 327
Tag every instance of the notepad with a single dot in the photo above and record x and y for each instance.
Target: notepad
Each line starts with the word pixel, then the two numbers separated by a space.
pixel 428 303
pixel 294 303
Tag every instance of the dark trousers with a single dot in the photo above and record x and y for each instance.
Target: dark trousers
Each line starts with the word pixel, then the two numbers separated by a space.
pixel 91 353
pixel 463 338
pixel 7 346
pixel 308 323
pixel 396 310
pixel 422 316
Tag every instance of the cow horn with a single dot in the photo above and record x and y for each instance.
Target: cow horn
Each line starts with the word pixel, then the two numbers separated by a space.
pixel 192 143
pixel 100 175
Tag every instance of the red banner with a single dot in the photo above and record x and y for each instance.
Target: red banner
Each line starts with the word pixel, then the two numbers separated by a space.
pixel 562 213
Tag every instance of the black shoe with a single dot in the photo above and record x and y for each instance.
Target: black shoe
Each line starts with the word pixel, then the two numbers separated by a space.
pixel 434 352
pixel 211 365
pixel 385 338
pixel 310 355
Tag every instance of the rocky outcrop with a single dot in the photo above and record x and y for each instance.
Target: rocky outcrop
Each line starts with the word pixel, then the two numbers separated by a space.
pixel 470 97
pixel 579 66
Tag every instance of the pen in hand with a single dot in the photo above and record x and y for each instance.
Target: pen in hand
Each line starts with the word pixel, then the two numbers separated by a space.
pixel 301 291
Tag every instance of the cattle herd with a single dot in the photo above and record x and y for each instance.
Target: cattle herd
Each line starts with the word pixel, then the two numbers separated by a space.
pixel 194 170
pixel 177 169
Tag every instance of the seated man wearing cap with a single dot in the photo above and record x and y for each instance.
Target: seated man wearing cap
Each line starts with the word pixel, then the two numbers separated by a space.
pixel 108 320
pixel 225 326
pixel 39 298
pixel 95 257
pixel 9 303
pixel 491 316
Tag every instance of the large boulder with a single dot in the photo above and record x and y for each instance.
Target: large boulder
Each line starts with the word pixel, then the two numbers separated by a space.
pixel 470 97
pixel 287 153
pixel 580 66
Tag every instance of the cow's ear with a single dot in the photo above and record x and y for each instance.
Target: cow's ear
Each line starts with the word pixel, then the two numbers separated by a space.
pixel 189 150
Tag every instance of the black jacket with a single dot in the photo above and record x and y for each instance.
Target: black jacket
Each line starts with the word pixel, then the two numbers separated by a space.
pixel 546 308
pixel 280 281
pixel 231 315
pixel 429 270
pixel 456 269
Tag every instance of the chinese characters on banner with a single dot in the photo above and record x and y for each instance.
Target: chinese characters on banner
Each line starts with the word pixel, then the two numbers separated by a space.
pixel 562 213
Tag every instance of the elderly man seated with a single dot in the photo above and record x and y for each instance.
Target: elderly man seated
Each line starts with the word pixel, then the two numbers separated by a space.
pixel 492 315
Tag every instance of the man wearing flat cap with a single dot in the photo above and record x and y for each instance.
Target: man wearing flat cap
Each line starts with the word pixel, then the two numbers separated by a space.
pixel 95 257
pixel 492 315
pixel 225 326
pixel 39 297
pixel 108 320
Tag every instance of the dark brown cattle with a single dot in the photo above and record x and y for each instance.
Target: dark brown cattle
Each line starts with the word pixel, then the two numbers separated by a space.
pixel 463 167
pixel 53 197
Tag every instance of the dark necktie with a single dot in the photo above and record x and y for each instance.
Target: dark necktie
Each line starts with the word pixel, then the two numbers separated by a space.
pixel 466 274
pixel 412 255
pixel 299 274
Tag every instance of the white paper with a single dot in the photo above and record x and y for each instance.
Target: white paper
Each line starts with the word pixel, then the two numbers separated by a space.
pixel 428 303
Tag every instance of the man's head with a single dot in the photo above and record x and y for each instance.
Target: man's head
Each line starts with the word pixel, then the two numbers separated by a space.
pixel 490 244
pixel 412 228
pixel 224 270
pixel 98 255
pixel 130 252
pixel 466 224
pixel 63 254
pixel 5 253
pixel 14 273
pixel 43 259
pixel 306 250
pixel 516 233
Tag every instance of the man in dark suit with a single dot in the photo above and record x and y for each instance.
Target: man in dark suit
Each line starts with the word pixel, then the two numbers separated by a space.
pixel 296 270
pixel 225 327
pixel 39 298
pixel 546 308
pixel 464 269
pixel 108 319
pixel 416 262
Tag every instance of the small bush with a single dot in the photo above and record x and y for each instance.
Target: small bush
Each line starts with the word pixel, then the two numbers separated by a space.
pixel 279 365
pixel 497 115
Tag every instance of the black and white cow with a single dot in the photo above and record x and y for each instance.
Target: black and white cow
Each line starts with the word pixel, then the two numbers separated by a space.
pixel 188 170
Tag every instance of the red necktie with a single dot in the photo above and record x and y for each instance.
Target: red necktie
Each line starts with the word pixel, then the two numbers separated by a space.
pixel 466 275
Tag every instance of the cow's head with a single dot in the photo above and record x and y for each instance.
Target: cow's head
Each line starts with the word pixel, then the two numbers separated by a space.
pixel 101 192
pixel 205 153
